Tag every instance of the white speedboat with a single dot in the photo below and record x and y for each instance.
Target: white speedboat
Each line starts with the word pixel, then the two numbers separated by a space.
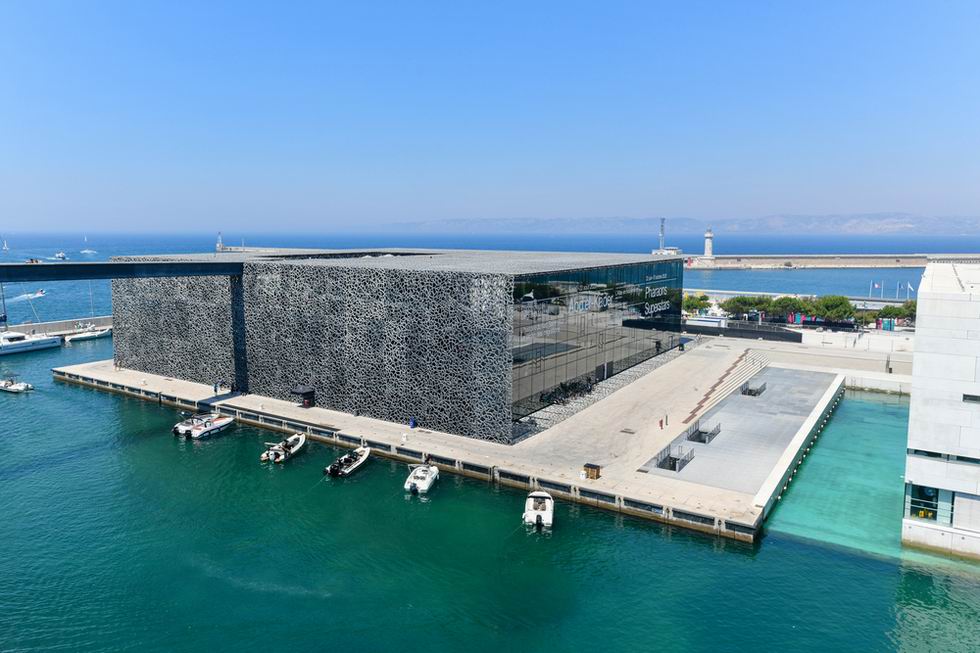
pixel 280 452
pixel 202 425
pixel 91 332
pixel 12 385
pixel 348 463
pixel 61 256
pixel 539 510
pixel 421 478
pixel 15 342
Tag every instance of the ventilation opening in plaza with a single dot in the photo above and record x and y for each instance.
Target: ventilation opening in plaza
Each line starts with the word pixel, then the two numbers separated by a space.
pixel 700 433
pixel 674 458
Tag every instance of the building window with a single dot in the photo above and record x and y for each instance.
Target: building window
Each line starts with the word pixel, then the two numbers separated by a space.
pixel 924 503
pixel 924 453
pixel 971 399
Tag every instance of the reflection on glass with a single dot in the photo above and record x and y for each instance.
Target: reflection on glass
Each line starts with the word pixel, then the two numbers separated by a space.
pixel 575 328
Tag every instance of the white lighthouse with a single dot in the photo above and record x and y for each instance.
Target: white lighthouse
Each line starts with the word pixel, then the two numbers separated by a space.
pixel 709 244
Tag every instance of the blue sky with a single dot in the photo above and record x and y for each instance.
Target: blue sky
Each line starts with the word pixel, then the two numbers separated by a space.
pixel 207 116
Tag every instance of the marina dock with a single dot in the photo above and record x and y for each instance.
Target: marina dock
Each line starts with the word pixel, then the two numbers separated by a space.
pixel 648 438
pixel 63 327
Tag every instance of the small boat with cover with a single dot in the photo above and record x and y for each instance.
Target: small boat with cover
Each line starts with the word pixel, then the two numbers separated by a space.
pixel 89 332
pixel 280 452
pixel 539 510
pixel 421 478
pixel 11 384
pixel 202 425
pixel 348 463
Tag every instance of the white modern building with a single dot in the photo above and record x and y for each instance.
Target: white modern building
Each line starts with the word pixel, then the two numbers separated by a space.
pixel 942 470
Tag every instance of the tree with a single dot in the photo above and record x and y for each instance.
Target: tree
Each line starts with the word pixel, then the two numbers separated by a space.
pixel 910 307
pixel 892 311
pixel 836 308
pixel 786 305
pixel 742 304
pixel 693 304
pixel 866 316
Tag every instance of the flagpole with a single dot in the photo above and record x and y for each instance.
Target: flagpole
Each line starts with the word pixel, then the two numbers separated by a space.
pixel 882 288
pixel 871 285
pixel 897 286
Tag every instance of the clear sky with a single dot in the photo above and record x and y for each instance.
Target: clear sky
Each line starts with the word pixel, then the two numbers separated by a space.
pixel 204 115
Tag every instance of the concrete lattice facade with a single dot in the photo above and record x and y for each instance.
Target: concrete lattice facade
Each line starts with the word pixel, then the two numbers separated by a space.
pixel 393 344
pixel 394 336
pixel 179 327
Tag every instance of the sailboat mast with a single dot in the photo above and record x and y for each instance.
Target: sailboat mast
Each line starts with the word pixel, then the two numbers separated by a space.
pixel 3 311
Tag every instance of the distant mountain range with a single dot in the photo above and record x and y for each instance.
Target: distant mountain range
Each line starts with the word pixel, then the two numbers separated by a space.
pixel 842 224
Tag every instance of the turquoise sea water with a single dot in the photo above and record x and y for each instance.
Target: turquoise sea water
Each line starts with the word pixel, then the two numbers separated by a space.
pixel 117 536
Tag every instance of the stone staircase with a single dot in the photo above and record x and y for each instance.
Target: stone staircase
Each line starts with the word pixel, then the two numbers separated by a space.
pixel 747 365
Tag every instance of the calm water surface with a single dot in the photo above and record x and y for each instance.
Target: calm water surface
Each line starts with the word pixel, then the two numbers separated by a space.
pixel 117 536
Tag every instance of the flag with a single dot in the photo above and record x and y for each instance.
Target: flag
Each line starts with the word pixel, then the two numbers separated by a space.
pixel 877 285
pixel 911 289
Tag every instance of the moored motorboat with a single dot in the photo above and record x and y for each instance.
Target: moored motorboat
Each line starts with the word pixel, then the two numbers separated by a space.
pixel 15 342
pixel 90 332
pixel 202 425
pixel 280 452
pixel 539 510
pixel 348 463
pixel 12 385
pixel 421 478
pixel 61 256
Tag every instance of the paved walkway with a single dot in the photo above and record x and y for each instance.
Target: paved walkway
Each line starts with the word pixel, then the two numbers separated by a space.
pixel 618 432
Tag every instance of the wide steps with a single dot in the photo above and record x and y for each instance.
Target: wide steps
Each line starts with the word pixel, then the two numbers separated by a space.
pixel 747 365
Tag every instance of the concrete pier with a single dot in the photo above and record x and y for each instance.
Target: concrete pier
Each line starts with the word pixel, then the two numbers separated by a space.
pixel 62 327
pixel 621 433
pixel 769 261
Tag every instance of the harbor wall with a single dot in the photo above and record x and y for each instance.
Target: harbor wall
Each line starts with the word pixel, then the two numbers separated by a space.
pixel 62 327
pixel 749 261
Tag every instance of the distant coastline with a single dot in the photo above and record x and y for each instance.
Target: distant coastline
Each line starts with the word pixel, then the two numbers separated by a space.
pixel 860 224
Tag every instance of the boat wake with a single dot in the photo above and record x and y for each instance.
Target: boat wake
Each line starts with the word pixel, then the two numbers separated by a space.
pixel 211 570
pixel 27 296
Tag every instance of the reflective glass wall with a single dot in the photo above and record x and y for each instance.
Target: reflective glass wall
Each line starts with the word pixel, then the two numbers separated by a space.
pixel 575 328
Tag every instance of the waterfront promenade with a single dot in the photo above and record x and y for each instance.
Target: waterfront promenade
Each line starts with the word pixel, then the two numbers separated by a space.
pixel 621 433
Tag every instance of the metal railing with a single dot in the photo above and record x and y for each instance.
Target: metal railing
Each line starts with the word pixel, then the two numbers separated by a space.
pixel 752 390
pixel 695 433
pixel 674 458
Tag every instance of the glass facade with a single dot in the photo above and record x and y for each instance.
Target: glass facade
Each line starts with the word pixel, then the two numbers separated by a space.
pixel 577 327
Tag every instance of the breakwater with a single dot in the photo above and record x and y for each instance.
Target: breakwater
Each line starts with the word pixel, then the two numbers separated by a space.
pixel 767 261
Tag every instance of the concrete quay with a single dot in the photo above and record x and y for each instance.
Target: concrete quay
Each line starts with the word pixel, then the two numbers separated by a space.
pixel 62 327
pixel 622 433
pixel 769 261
